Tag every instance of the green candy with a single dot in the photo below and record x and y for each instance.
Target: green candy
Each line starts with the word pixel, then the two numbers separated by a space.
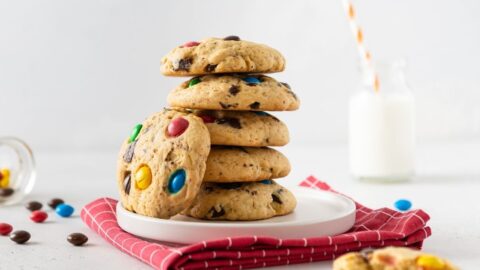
pixel 193 81
pixel 135 132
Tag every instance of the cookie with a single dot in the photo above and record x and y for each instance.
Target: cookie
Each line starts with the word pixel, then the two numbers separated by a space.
pixel 241 201
pixel 245 164
pixel 237 92
pixel 217 55
pixel 244 128
pixel 391 258
pixel 161 165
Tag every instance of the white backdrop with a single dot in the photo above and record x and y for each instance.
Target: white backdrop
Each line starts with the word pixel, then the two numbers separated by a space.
pixel 80 74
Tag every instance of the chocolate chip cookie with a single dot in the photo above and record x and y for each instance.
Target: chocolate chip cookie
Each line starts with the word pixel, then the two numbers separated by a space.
pixel 238 92
pixel 245 164
pixel 244 128
pixel 241 201
pixel 162 164
pixel 221 55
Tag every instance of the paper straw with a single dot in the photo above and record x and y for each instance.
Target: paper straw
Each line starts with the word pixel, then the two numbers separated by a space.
pixel 365 55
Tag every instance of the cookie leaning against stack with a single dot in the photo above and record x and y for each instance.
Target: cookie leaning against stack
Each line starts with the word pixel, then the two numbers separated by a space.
pixel 208 156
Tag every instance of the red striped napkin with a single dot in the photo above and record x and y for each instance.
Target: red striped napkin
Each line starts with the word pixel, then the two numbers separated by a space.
pixel 373 228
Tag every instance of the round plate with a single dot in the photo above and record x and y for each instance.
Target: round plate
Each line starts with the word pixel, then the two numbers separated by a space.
pixel 318 213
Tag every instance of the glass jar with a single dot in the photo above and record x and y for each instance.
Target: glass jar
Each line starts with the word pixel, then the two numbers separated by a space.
pixel 381 127
pixel 17 170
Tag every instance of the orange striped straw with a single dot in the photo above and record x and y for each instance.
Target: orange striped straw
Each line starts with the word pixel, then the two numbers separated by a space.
pixel 359 38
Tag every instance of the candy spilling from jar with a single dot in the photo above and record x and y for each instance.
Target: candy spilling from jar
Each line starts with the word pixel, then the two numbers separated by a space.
pixel 5 188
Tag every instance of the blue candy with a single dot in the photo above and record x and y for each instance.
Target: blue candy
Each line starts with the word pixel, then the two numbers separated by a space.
pixel 261 113
pixel 266 182
pixel 64 210
pixel 177 181
pixel 251 80
pixel 403 205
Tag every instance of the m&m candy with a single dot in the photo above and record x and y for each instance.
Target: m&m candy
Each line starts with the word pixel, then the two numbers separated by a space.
pixel 64 210
pixel 135 132
pixel 193 81
pixel 266 182
pixel 427 261
pixel 177 127
pixel 177 181
pixel 190 44
pixel 4 178
pixel 143 177
pixel 403 205
pixel 38 216
pixel 5 228
pixel 251 80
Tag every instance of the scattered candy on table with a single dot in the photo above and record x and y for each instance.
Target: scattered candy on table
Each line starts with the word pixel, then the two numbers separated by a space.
pixel 403 205
pixel 77 239
pixel 53 203
pixel 143 177
pixel 20 237
pixel 64 210
pixel 177 127
pixel 136 130
pixel 251 80
pixel 6 192
pixel 34 205
pixel 38 216
pixel 176 181
pixel 4 178
pixel 5 228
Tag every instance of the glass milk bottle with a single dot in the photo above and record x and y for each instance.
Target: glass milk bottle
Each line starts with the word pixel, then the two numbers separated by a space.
pixel 17 170
pixel 381 128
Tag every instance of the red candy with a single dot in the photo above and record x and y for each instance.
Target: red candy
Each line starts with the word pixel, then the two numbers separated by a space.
pixel 38 216
pixel 190 44
pixel 207 118
pixel 177 127
pixel 5 228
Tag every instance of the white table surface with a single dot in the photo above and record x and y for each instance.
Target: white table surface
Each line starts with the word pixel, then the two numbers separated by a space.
pixel 447 187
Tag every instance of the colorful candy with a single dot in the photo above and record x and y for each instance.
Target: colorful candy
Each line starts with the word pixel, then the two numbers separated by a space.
pixel 6 192
pixel 5 228
pixel 38 216
pixel 33 205
pixel 234 38
pixel 261 113
pixel 266 182
pixel 207 118
pixel 135 132
pixel 64 210
pixel 77 239
pixel 430 262
pixel 20 237
pixel 53 203
pixel 403 205
pixel 193 81
pixel 176 181
pixel 251 80
pixel 4 178
pixel 190 44
pixel 143 177
pixel 177 127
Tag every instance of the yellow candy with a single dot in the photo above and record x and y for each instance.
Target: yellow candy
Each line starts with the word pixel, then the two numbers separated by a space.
pixel 5 179
pixel 143 177
pixel 430 262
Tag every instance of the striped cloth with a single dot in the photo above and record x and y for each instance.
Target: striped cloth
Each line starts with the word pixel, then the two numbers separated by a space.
pixel 373 228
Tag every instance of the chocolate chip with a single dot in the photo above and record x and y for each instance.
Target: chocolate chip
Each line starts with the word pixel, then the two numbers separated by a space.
pixel 6 192
pixel 255 105
pixel 286 85
pixel 77 239
pixel 215 214
pixel 127 183
pixel 234 90
pixel 33 206
pixel 183 64
pixel 20 237
pixel 253 192
pixel 234 38
pixel 231 121
pixel 210 68
pixel 128 156
pixel 54 202
pixel 276 199
pixel 227 106
pixel 232 185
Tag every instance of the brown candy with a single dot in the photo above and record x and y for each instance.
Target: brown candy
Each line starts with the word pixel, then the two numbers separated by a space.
pixel 6 192
pixel 54 202
pixel 34 205
pixel 77 239
pixel 234 38
pixel 20 237
pixel 255 105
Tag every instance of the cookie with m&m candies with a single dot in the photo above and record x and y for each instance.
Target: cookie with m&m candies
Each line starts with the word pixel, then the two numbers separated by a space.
pixel 162 162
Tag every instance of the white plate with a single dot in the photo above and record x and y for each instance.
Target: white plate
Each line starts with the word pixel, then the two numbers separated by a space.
pixel 318 213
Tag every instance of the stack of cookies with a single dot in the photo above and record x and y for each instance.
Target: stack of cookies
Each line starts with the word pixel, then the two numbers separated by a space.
pixel 208 156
